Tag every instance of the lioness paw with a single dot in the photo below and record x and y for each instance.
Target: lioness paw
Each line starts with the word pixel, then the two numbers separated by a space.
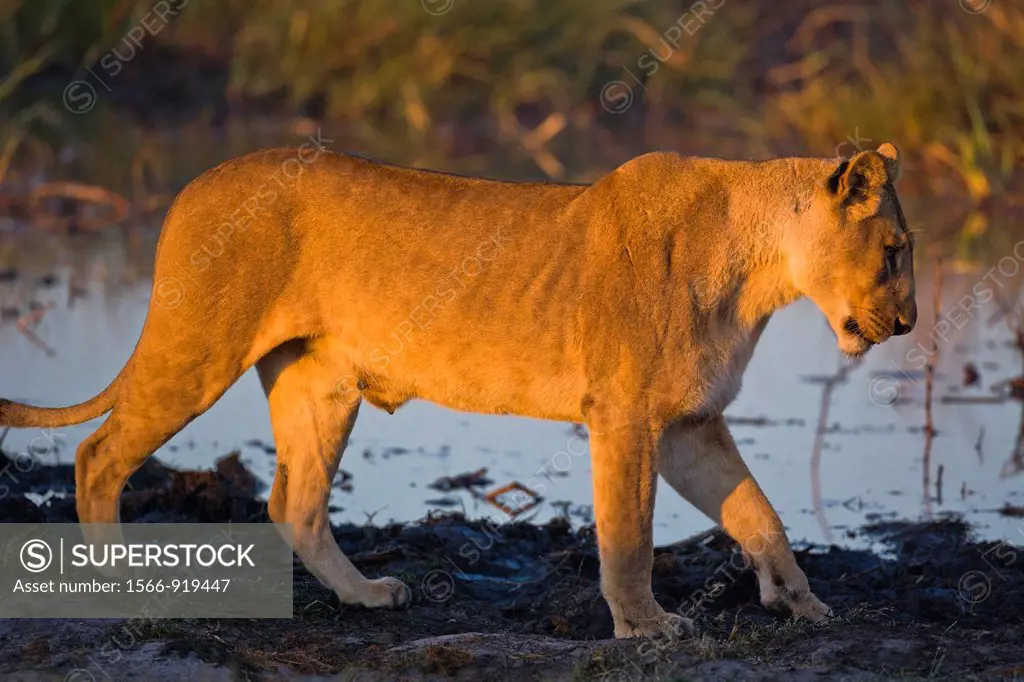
pixel 803 606
pixel 811 608
pixel 663 625
pixel 388 593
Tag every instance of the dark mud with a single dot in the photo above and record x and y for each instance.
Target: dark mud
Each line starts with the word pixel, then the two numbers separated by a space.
pixel 519 601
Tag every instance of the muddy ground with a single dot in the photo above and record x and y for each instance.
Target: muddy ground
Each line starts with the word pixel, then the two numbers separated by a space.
pixel 520 601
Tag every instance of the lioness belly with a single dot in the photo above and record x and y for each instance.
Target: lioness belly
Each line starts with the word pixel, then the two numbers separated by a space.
pixel 547 402
pixel 498 391
pixel 487 377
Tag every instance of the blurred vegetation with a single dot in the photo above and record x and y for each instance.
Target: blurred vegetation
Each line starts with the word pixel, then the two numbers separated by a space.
pixel 942 79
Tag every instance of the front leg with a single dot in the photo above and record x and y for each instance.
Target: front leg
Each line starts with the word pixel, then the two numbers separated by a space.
pixel 702 463
pixel 624 460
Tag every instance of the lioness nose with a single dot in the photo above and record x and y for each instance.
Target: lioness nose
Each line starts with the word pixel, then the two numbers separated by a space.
pixel 905 322
pixel 901 328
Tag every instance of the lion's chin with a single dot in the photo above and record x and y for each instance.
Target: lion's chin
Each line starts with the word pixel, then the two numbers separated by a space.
pixel 852 345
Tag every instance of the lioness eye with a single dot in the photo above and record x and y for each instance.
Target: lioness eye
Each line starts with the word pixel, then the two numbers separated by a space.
pixel 890 259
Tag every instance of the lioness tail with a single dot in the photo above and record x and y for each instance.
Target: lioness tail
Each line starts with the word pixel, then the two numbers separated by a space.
pixel 20 415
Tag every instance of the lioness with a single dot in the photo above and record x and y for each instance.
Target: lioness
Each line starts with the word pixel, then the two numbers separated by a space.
pixel 632 305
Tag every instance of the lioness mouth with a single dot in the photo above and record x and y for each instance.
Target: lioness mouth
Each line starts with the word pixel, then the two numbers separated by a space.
pixel 853 329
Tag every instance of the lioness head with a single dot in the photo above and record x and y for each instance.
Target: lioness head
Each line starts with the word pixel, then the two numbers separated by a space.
pixel 852 254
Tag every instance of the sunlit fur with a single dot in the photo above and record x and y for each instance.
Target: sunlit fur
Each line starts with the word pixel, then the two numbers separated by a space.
pixel 632 305
pixel 838 256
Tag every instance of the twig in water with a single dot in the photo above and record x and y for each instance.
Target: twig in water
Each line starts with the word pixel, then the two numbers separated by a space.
pixel 1015 465
pixel 370 516
pixel 26 326
pixel 929 389
pixel 819 440
pixel 118 207
pixel 972 400
pixel 494 498
pixel 697 539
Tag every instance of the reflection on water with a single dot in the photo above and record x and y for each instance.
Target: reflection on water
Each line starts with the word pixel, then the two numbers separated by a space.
pixel 825 470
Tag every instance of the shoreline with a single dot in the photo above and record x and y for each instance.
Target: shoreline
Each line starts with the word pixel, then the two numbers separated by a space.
pixel 514 600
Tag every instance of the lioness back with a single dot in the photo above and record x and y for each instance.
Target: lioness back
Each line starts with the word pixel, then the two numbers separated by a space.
pixel 400 268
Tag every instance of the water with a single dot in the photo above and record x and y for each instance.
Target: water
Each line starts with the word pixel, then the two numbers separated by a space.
pixel 870 460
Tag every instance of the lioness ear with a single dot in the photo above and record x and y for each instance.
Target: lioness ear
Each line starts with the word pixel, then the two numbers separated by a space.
pixel 855 183
pixel 892 161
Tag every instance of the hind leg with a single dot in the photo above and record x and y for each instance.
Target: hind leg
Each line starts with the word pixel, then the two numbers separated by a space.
pixel 105 460
pixel 96 483
pixel 103 464
pixel 155 401
pixel 311 424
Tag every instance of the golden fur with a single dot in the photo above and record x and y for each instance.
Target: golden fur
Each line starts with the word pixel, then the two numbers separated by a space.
pixel 632 305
